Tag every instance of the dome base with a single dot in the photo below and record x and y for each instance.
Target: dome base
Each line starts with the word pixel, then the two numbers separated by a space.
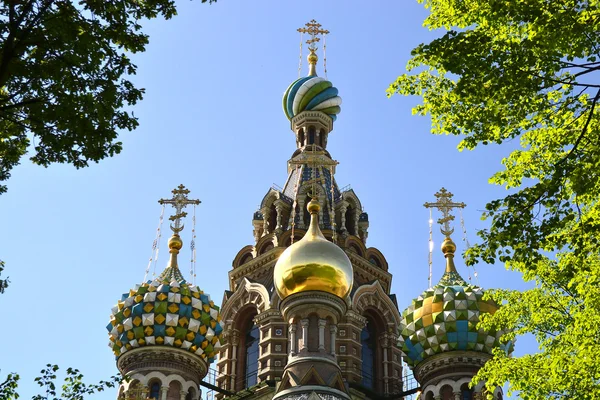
pixel 300 305
pixel 451 364
pixel 167 360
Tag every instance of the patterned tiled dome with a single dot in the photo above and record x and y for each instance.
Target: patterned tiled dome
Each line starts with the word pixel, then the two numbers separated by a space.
pixel 166 311
pixel 444 318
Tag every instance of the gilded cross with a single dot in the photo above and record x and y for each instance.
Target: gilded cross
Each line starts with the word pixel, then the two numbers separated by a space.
pixel 445 204
pixel 179 202
pixel 313 28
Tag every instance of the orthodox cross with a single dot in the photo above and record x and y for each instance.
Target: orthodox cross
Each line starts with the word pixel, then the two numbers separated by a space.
pixel 179 202
pixel 445 205
pixel 313 28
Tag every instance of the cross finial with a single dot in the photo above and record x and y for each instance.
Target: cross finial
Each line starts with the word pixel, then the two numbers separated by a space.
pixel 179 202
pixel 445 205
pixel 313 28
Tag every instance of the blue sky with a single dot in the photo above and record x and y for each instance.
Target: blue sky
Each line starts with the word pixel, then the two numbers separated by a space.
pixel 74 240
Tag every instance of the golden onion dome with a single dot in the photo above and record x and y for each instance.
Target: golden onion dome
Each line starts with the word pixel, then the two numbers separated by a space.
pixel 313 263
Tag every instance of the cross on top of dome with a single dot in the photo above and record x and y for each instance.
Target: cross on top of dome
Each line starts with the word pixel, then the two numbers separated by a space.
pixel 445 204
pixel 313 28
pixel 179 202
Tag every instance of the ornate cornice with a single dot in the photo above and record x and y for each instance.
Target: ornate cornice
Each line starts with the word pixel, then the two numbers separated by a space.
pixel 186 364
pixel 252 265
pixel 307 117
pixel 355 318
pixel 452 362
pixel 374 271
pixel 267 315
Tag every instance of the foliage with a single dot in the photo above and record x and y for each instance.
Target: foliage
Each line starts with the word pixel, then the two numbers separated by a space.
pixel 528 70
pixel 3 282
pixel 63 77
pixel 72 389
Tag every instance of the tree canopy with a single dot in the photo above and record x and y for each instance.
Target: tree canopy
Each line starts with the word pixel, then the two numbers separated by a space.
pixel 528 71
pixel 73 387
pixel 64 69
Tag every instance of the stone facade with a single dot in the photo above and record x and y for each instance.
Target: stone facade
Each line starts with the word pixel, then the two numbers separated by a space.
pixel 251 298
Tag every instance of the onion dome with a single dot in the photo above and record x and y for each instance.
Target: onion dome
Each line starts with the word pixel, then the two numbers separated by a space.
pixel 166 311
pixel 311 93
pixel 444 318
pixel 313 263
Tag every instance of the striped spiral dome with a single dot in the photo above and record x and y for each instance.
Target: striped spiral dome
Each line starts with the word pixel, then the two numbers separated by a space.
pixel 311 93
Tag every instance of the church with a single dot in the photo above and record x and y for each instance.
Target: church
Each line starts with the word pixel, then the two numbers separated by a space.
pixel 309 313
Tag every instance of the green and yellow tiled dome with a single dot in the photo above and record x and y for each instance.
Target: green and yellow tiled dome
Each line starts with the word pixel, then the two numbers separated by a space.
pixel 167 311
pixel 444 318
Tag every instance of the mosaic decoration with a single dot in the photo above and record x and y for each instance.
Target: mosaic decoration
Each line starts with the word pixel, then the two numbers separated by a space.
pixel 311 93
pixel 166 312
pixel 444 318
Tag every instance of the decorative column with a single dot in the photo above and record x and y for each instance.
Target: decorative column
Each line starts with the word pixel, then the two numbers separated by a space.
pixel 304 324
pixel 163 392
pixel 258 229
pixel 322 324
pixel 279 207
pixel 235 341
pixel 266 215
pixel 343 209
pixel 182 394
pixel 456 395
pixel 333 330
pixel 293 341
pixel 385 345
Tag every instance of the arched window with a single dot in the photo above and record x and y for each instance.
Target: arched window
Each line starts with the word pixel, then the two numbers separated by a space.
pixel 252 338
pixel 367 340
pixel 191 394
pixel 135 390
pixel 302 144
pixel 154 387
pixel 272 218
pixel 311 135
pixel 350 220
pixel 446 393
pixel 246 369
pixel 174 392
pixel 465 392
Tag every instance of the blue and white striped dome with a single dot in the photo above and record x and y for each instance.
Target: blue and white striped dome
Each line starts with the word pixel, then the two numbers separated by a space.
pixel 311 93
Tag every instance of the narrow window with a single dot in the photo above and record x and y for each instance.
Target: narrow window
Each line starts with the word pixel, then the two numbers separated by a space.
pixel 252 338
pixel 368 356
pixel 155 390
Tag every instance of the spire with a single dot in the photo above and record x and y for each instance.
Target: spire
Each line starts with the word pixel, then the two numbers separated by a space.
pixel 313 208
pixel 312 62
pixel 179 202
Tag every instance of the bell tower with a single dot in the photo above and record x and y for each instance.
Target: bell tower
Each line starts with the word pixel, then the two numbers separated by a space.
pixel 285 337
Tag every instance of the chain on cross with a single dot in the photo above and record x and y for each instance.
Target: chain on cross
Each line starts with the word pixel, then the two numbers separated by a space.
pixel 313 28
pixel 179 202
pixel 445 204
